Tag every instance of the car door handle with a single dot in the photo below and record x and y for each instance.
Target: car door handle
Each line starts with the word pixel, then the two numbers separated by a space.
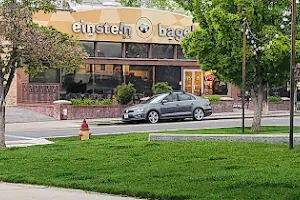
pixel 192 104
pixel 177 105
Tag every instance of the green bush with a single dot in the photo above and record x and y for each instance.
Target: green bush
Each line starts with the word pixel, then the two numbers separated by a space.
pixel 106 102
pixel 76 102
pixel 212 98
pixel 87 102
pixel 124 94
pixel 97 102
pixel 161 87
pixel 274 99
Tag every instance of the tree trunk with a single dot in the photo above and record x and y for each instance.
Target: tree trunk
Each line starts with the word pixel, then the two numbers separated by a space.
pixel 265 108
pixel 2 124
pixel 258 100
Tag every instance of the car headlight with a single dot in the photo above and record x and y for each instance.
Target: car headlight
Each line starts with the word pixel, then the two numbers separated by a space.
pixel 207 103
pixel 139 110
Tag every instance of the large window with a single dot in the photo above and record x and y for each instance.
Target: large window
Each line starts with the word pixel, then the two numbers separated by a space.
pixel 161 51
pixel 47 76
pixel 80 82
pixel 90 79
pixel 219 88
pixel 135 50
pixel 108 49
pixel 89 48
pixel 141 77
pixel 169 74
pixel 107 78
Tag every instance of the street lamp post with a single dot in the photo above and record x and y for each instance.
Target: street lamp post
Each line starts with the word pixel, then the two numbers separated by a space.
pixel 244 74
pixel 292 73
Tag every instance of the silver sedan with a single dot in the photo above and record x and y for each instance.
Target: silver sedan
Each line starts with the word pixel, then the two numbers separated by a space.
pixel 175 105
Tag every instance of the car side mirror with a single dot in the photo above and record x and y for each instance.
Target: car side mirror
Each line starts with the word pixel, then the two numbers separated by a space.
pixel 164 101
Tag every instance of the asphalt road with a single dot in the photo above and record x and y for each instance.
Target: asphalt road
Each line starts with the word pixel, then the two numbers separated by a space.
pixel 165 126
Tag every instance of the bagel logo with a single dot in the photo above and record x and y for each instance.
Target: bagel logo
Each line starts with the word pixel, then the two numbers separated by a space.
pixel 144 28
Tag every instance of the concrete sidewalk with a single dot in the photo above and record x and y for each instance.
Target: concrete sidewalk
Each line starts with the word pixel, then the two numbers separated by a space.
pixel 9 191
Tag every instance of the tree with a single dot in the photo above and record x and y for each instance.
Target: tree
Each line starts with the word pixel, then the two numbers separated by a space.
pixel 218 43
pixel 169 5
pixel 26 45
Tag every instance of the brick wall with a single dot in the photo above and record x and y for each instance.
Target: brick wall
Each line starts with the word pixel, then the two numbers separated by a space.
pixel 14 95
pixel 275 106
pixel 224 106
pixel 52 110
pixel 93 112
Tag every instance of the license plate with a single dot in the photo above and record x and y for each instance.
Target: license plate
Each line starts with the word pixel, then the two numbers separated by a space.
pixel 126 116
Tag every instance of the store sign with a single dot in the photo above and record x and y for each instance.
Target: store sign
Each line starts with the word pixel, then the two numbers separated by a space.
pixel 144 28
pixel 106 28
pixel 174 33
pixel 209 78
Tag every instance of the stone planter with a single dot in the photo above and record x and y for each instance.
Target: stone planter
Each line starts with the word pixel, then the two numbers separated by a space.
pixel 276 106
pixel 92 112
pixel 226 105
pixel 69 112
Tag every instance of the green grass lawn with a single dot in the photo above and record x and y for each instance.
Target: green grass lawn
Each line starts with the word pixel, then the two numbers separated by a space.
pixel 130 165
pixel 238 130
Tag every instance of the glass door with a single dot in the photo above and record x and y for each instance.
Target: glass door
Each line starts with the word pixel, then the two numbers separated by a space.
pixel 188 81
pixel 193 81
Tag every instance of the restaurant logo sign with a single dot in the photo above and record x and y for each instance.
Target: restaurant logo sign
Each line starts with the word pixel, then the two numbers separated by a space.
pixel 144 29
pixel 106 28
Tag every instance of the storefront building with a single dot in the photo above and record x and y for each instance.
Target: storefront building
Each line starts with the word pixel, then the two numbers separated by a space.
pixel 125 45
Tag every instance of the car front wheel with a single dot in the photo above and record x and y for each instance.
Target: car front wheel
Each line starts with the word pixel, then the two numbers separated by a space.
pixel 198 114
pixel 153 117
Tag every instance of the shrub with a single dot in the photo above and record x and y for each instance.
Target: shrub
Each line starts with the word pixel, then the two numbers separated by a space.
pixel 76 101
pixel 124 93
pixel 161 87
pixel 274 99
pixel 212 98
pixel 87 102
pixel 97 102
pixel 106 102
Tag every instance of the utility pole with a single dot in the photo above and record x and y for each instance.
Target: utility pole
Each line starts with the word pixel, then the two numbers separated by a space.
pixel 244 74
pixel 292 73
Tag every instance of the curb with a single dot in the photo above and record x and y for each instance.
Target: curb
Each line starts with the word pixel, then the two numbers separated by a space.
pixel 264 138
pixel 247 116
pixel 115 122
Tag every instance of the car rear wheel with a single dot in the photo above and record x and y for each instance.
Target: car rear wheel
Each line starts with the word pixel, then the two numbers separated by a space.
pixel 198 114
pixel 153 117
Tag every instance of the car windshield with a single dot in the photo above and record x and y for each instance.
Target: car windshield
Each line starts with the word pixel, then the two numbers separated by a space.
pixel 154 99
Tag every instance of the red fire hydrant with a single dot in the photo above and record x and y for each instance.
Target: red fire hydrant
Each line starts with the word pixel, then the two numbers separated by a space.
pixel 84 131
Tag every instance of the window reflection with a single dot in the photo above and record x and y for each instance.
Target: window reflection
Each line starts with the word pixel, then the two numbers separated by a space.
pixel 170 74
pixel 141 77
pixel 161 51
pixel 219 88
pixel 135 50
pixel 109 49
pixel 48 76
pixel 89 48
pixel 107 78
pixel 81 82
